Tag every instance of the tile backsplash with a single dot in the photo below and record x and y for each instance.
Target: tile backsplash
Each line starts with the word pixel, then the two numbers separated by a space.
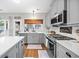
pixel 66 30
pixel 73 35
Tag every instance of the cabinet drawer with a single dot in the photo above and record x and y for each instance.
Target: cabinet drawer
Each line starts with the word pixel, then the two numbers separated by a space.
pixel 63 52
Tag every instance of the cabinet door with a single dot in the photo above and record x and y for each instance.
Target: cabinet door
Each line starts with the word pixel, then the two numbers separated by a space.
pixel 33 38
pixel 60 4
pixel 13 52
pixel 63 52
pixel 10 53
pixel 20 49
pixel 73 11
pixel 41 38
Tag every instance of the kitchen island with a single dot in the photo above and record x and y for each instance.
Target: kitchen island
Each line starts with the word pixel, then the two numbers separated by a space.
pixel 10 46
pixel 33 37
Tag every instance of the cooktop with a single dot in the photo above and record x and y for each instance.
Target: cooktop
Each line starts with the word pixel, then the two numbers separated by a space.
pixel 61 37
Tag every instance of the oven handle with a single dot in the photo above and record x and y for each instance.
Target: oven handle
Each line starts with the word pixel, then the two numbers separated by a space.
pixel 51 42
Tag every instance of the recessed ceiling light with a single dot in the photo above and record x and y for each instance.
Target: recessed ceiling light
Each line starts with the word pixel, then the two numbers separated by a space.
pixel 17 1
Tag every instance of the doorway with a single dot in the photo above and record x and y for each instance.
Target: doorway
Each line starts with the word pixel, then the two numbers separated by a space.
pixel 16 27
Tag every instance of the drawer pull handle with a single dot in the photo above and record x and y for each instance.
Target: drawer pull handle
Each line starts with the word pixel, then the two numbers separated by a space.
pixel 6 57
pixel 68 54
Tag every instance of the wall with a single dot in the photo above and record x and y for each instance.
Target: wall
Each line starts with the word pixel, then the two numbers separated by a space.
pixel 10 17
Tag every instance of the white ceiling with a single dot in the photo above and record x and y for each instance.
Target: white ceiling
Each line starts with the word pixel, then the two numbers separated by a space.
pixel 24 6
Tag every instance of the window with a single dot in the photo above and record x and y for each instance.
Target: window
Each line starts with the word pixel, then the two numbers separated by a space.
pixel 3 27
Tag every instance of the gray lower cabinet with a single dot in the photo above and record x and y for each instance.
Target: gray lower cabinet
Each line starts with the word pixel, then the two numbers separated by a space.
pixel 41 38
pixel 63 52
pixel 20 49
pixel 35 38
pixel 11 53
pixel 25 36
pixel 15 52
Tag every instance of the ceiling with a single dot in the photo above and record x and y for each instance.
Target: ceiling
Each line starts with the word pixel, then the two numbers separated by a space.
pixel 25 6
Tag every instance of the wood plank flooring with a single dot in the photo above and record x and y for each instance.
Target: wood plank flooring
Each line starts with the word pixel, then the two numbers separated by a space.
pixel 32 52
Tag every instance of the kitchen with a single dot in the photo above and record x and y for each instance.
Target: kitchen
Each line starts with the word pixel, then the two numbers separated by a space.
pixel 39 29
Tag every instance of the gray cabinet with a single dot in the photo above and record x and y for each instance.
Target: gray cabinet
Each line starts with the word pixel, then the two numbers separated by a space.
pixel 25 36
pixel 57 7
pixel 60 4
pixel 73 11
pixel 14 52
pixel 41 38
pixel 63 52
pixel 35 38
pixel 11 53
pixel 20 49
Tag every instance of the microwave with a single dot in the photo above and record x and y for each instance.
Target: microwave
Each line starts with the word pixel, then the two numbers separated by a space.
pixel 54 20
pixel 61 18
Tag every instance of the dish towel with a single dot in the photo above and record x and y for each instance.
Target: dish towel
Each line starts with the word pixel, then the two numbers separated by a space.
pixel 42 54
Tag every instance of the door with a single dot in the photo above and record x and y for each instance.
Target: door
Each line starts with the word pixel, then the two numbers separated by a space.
pixel 17 27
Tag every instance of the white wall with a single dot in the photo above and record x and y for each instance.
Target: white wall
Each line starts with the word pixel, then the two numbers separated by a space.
pixel 10 17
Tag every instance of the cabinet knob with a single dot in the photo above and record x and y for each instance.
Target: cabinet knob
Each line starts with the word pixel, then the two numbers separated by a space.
pixel 6 57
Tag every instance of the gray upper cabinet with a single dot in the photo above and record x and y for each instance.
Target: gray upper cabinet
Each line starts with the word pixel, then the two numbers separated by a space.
pixel 56 7
pixel 60 5
pixel 73 11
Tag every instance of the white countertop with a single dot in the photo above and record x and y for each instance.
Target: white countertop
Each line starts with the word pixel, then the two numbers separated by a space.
pixel 71 45
pixel 8 42
pixel 31 32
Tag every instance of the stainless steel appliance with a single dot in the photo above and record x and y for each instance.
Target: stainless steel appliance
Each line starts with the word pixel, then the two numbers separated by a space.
pixel 52 47
pixel 52 42
pixel 60 19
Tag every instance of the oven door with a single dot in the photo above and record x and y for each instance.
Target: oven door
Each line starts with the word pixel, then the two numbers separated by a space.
pixel 52 48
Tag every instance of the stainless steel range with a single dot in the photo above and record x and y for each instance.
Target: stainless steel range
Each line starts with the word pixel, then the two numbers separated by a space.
pixel 52 42
pixel 52 47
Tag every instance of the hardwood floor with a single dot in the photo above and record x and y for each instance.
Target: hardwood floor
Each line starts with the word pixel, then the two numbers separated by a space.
pixel 32 52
